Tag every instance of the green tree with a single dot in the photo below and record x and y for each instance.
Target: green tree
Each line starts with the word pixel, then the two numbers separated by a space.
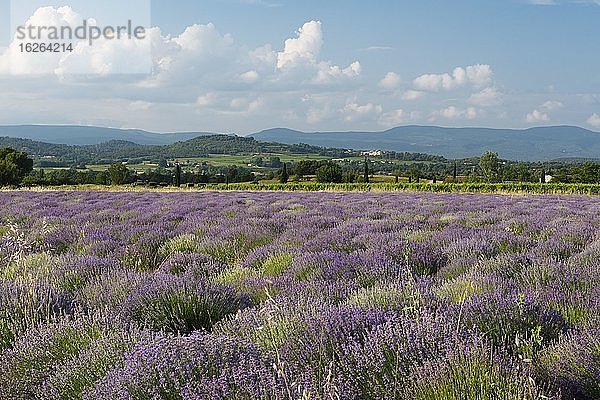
pixel 14 166
pixel 454 171
pixel 284 176
pixel 488 164
pixel 275 162
pixel 329 172
pixel 118 174
pixel 235 174
pixel 102 178
pixel 177 174
pixel 589 173
pixel 366 171
pixel 35 178
pixel 349 177
pixel 414 174
pixel 258 161
pixel 308 167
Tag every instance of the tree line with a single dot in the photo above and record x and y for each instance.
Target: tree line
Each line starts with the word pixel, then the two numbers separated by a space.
pixel 16 168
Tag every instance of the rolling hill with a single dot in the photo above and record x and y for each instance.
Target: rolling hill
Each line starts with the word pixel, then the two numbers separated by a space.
pixel 120 150
pixel 535 144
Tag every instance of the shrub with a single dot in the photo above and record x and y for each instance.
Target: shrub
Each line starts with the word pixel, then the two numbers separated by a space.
pixel 198 366
pixel 573 364
pixel 179 305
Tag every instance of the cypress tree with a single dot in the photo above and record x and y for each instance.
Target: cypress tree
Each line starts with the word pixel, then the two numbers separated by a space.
pixel 366 174
pixel 543 178
pixel 284 177
pixel 177 174
pixel 454 172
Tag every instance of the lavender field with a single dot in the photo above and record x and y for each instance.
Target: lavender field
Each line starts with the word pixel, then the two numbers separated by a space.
pixel 298 296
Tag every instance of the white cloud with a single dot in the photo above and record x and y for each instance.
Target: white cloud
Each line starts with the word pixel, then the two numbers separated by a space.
pixel 199 58
pixel 477 75
pixel 200 74
pixel 454 113
pixel 206 100
pixel 299 58
pixel 542 112
pixel 411 95
pixel 594 120
pixel 250 76
pixel 303 49
pixel 390 81
pixel 490 96
pixel 16 62
pixel 537 116
pixel 552 105
pixel 355 112
pixel 102 58
pixel 200 53
pixel 398 117
pixel 328 73
pixel 435 82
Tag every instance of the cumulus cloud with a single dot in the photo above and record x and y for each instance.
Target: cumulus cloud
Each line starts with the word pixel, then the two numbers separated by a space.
pixel 594 120
pixel 353 111
pixel 537 116
pixel 199 56
pixel 476 75
pixel 398 117
pixel 199 53
pixel 250 76
pixel 411 95
pixel 453 112
pixel 200 74
pixel 479 75
pixel 542 112
pixel 303 49
pixel 489 96
pixel 105 56
pixel 328 73
pixel 390 81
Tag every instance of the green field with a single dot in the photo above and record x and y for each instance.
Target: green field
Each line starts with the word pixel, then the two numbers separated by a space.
pixel 245 160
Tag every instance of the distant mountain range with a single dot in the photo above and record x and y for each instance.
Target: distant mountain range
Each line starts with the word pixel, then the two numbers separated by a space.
pixel 82 135
pixel 534 144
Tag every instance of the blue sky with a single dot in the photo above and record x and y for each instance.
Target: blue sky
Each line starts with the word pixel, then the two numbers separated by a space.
pixel 246 65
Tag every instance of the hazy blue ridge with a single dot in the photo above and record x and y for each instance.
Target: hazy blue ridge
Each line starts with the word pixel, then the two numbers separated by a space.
pixel 541 143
